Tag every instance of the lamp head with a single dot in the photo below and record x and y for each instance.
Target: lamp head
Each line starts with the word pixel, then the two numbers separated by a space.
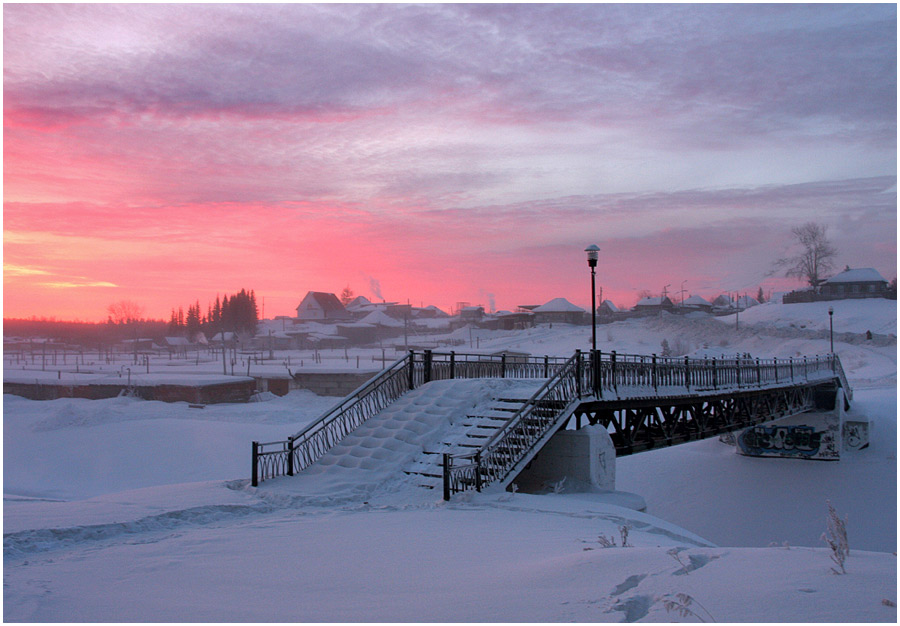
pixel 592 254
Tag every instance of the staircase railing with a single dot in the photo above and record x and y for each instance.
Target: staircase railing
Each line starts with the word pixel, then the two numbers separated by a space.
pixel 839 371
pixel 286 458
pixel 520 433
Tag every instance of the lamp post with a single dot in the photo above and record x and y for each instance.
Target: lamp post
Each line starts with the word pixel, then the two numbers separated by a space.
pixel 592 254
pixel 831 326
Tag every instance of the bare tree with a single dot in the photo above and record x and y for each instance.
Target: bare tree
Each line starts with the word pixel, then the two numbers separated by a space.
pixel 815 258
pixel 124 312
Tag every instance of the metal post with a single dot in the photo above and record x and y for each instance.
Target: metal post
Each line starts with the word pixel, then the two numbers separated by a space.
pixel 503 366
pixel 715 374
pixel 578 373
pixel 758 374
pixel 412 370
pixel 594 309
pixel 654 374
pixel 427 367
pixel 598 388
pixel 254 476
pixel 446 476
pixel 612 365
pixel 775 361
pixel 546 366
pixel 687 375
pixel 452 365
pixel 478 471
pixel 290 458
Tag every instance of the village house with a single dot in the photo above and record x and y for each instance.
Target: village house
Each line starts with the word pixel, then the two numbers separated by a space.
pixel 651 306
pixel 607 311
pixel 864 282
pixel 561 311
pixel 320 306
pixel 697 303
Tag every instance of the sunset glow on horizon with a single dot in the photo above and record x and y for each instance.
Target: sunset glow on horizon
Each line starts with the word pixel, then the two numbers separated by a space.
pixel 436 154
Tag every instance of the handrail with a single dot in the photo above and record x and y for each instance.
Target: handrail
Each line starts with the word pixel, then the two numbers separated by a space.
pixel 518 435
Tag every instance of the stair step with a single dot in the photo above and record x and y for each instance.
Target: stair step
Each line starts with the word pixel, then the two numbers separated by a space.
pixel 429 475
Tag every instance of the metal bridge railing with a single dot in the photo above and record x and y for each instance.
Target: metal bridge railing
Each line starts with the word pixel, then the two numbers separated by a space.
pixel 285 458
pixel 629 375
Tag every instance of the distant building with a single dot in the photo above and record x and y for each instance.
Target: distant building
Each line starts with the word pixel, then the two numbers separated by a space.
pixel 745 302
pixel 318 306
pixel 648 306
pixel 697 303
pixel 471 313
pixel 863 282
pixel 561 311
pixel 607 310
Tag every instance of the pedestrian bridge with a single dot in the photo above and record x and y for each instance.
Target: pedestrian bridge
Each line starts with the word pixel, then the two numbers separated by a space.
pixel 644 402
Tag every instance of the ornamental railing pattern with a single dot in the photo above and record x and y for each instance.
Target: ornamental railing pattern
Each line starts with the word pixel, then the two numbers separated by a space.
pixel 613 375
pixel 286 458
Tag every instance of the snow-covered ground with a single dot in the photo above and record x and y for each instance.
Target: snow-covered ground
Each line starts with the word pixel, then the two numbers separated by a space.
pixel 127 510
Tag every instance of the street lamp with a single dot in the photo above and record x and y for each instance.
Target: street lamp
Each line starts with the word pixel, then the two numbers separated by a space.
pixel 592 254
pixel 831 326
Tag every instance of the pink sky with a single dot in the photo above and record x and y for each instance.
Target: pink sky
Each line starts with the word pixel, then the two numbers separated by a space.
pixel 439 153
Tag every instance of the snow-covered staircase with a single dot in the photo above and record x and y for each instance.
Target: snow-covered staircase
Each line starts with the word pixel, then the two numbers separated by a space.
pixel 468 435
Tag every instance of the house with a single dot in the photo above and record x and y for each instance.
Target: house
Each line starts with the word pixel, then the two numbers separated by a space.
pixel 864 282
pixel 318 306
pixel 357 302
pixel 650 306
pixel 561 311
pixel 177 345
pixel 607 311
pixel 697 303
pixel 745 302
pixel 471 313
pixel 506 320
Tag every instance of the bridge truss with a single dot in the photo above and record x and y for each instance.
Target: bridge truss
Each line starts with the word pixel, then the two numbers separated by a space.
pixel 640 424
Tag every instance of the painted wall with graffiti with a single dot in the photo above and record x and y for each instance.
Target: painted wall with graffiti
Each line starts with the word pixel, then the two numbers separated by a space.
pixel 806 436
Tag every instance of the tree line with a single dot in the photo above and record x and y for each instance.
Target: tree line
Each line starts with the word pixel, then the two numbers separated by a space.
pixel 235 313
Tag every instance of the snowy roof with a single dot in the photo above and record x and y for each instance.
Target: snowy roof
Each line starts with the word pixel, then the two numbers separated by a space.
pixel 653 301
pixel 558 305
pixel 697 301
pixel 435 310
pixel 357 302
pixel 177 341
pixel 378 318
pixel 859 275
pixel 328 302
pixel 610 306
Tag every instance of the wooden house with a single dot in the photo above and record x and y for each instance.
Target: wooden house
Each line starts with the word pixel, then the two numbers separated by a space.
pixel 864 282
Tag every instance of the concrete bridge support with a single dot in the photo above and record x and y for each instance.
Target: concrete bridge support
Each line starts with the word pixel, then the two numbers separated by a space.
pixel 573 460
